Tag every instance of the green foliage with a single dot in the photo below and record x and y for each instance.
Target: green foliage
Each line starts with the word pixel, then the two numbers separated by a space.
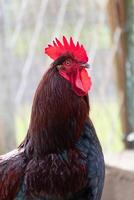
pixel 107 122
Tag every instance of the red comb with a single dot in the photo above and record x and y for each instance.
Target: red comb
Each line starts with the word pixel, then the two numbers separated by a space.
pixel 58 49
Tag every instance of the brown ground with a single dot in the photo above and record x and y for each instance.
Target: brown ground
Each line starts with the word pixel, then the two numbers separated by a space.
pixel 119 182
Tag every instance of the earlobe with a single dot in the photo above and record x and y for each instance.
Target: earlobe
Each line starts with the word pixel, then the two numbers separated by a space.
pixel 59 66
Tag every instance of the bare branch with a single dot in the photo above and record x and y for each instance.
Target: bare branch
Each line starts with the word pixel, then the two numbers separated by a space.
pixel 60 19
pixel 31 52
pixel 19 23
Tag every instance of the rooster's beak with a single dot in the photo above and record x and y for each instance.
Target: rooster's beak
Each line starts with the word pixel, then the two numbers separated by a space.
pixel 85 65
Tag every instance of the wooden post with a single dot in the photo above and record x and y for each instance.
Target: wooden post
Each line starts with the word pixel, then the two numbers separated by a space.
pixel 130 63
pixel 121 14
pixel 117 20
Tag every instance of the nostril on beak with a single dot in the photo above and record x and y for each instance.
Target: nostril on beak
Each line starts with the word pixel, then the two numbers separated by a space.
pixel 87 65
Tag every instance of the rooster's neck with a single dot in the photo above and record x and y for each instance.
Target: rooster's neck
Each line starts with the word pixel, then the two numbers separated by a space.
pixel 57 117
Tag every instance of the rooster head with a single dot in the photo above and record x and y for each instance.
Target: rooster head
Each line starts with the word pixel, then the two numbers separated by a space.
pixel 71 62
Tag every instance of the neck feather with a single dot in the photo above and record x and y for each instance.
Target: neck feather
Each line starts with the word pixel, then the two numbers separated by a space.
pixel 57 117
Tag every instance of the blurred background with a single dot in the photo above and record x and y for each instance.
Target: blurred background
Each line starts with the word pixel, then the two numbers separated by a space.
pixel 105 27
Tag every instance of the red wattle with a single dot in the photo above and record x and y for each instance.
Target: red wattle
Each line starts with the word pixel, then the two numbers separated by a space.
pixel 79 80
pixel 82 82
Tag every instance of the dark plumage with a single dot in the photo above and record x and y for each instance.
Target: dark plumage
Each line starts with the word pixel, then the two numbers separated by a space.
pixel 61 157
pixel 91 157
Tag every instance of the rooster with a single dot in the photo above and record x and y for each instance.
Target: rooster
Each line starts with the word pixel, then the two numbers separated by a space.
pixel 60 157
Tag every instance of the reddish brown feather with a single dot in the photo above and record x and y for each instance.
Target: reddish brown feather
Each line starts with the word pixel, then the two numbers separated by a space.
pixel 57 115
pixel 11 175
pixel 57 177
pixel 56 124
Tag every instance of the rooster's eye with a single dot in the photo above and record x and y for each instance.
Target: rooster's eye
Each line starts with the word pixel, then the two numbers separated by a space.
pixel 68 62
